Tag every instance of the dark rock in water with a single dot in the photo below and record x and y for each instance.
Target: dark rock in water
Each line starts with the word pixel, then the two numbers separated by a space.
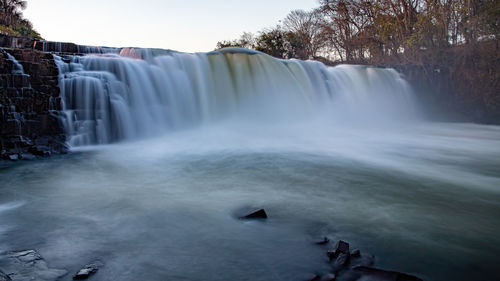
pixel 323 241
pixel 340 247
pixel 28 265
pixel 13 157
pixel 356 253
pixel 342 260
pixel 328 277
pixel 255 214
pixel 384 275
pixel 4 277
pixel 87 271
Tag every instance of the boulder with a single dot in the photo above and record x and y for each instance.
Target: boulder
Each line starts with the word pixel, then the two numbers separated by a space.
pixel 340 247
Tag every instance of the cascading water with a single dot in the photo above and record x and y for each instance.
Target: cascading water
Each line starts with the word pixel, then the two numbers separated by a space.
pixel 322 149
pixel 140 93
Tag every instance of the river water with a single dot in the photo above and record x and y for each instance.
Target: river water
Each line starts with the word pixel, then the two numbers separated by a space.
pixel 424 198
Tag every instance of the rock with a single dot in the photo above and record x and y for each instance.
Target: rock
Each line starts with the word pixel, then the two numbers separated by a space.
pixel 384 275
pixel 342 260
pixel 328 277
pixel 27 103
pixel 323 241
pixel 13 157
pixel 340 247
pixel 356 253
pixel 28 265
pixel 4 277
pixel 87 271
pixel 255 214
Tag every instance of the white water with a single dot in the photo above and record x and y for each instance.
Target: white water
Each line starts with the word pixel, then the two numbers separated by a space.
pixel 17 68
pixel 108 98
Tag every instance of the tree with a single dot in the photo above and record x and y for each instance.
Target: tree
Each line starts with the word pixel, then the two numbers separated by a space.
pixel 12 21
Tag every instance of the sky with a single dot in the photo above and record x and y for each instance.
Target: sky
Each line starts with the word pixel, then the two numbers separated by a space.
pixel 189 25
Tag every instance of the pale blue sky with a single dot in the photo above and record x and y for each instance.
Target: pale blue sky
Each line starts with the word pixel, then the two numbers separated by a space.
pixel 189 26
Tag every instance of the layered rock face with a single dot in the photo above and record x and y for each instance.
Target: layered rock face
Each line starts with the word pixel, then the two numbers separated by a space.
pixel 29 105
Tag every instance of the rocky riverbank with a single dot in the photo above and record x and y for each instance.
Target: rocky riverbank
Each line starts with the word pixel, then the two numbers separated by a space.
pixel 29 105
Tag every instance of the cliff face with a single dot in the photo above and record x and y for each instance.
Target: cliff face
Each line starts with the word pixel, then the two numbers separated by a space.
pixel 465 88
pixel 29 105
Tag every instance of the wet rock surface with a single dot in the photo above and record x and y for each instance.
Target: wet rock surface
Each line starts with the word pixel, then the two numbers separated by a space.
pixel 87 271
pixel 357 266
pixel 29 105
pixel 27 265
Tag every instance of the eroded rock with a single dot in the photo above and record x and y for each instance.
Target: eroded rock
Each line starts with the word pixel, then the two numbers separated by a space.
pixel 28 265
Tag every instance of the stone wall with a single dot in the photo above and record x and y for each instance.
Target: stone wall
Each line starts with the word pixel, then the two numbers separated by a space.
pixel 29 105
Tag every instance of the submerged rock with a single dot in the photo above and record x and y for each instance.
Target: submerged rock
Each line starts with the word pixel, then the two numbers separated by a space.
pixel 87 271
pixel 28 265
pixel 323 241
pixel 356 253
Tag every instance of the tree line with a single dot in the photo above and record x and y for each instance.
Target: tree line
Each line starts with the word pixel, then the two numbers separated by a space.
pixel 377 31
pixel 12 21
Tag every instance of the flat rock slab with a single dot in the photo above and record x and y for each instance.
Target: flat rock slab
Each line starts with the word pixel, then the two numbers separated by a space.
pixel 28 265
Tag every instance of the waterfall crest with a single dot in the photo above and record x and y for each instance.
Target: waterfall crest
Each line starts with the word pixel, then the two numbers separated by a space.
pixel 141 92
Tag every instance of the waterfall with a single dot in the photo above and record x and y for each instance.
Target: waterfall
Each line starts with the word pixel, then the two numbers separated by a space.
pixel 146 92
pixel 17 68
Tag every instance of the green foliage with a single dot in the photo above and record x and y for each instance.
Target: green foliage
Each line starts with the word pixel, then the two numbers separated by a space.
pixel 379 30
pixel 7 30
pixel 12 21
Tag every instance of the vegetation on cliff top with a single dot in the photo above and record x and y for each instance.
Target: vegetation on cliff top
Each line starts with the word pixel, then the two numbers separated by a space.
pixel 457 40
pixel 12 21
pixel 378 31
